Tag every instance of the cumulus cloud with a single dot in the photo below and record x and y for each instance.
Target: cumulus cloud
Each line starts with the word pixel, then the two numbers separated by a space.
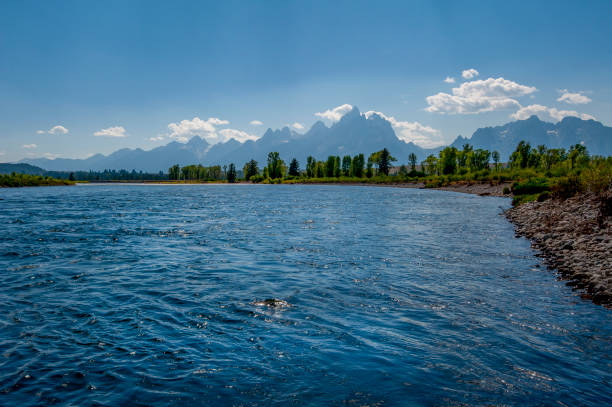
pixel 547 113
pixel 573 98
pixel 54 130
pixel 419 134
pixel 449 79
pixel 479 96
pixel 256 123
pixel 469 73
pixel 51 156
pixel 238 135
pixel 336 113
pixel 206 129
pixel 29 146
pixel 156 138
pixel 298 126
pixel 117 131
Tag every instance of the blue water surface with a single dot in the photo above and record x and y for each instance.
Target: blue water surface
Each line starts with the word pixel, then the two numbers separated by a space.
pixel 154 295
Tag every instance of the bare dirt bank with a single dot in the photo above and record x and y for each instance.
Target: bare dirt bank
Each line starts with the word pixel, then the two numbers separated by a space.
pixel 573 236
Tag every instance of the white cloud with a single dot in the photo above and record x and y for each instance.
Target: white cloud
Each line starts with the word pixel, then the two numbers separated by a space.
pixel 206 129
pixel 547 113
pixel 2 153
pixel 573 98
pixel 336 113
pixel 58 130
pixel 238 135
pixel 469 73
pixel 117 131
pixel 29 146
pixel 298 126
pixel 419 134
pixel 449 79
pixel 256 123
pixel 479 96
pixel 51 156
pixel 157 138
pixel 54 130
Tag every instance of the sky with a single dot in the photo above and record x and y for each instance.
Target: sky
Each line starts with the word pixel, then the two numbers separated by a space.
pixel 78 78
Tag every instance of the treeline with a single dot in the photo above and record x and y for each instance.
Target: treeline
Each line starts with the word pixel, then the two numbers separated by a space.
pixel 276 170
pixel 202 174
pixel 108 175
pixel 26 180
pixel 535 173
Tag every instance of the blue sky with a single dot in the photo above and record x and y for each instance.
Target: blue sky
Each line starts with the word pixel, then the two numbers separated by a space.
pixel 141 74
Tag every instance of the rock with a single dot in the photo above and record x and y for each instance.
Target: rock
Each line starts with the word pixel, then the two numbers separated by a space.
pixel 571 237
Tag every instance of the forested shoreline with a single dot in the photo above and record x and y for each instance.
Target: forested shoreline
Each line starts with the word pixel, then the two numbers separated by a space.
pixel 26 180
pixel 533 173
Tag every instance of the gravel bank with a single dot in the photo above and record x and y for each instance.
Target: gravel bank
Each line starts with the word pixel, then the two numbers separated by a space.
pixel 574 237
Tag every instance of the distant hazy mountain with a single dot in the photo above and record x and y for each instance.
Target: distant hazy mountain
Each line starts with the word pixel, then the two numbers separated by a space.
pixel 569 131
pixel 158 159
pixel 353 134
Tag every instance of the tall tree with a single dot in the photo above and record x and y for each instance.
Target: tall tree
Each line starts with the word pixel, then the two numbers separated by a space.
pixel 412 159
pixel 448 160
pixel 329 166
pixel 250 169
pixel 346 165
pixel 275 165
pixel 383 160
pixel 231 173
pixel 357 165
pixel 311 165
pixel 337 167
pixel 294 168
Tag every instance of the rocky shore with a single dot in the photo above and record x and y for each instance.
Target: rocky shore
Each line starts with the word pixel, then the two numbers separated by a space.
pixel 573 236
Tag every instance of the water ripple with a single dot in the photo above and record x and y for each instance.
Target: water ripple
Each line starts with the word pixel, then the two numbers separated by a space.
pixel 276 295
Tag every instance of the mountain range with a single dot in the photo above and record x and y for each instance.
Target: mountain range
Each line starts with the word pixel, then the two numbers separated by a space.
pixel 354 133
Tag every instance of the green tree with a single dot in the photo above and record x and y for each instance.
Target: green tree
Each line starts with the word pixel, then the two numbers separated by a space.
pixel 294 168
pixel 250 169
pixel 231 173
pixel 521 157
pixel 412 159
pixel 174 172
pixel 337 172
pixel 369 170
pixel 431 164
pixel 479 159
pixel 329 166
pixel 577 154
pixel 311 167
pixel 320 169
pixel 357 165
pixel 384 161
pixel 346 165
pixel 448 160
pixel 275 165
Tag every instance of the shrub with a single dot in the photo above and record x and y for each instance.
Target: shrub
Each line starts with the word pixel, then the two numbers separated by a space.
pixel 530 186
pixel 256 178
pixel 566 187
pixel 506 190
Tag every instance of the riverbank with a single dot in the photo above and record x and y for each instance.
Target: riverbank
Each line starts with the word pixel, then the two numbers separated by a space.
pixel 573 236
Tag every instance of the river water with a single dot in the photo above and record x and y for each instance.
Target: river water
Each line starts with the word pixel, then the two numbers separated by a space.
pixel 156 294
